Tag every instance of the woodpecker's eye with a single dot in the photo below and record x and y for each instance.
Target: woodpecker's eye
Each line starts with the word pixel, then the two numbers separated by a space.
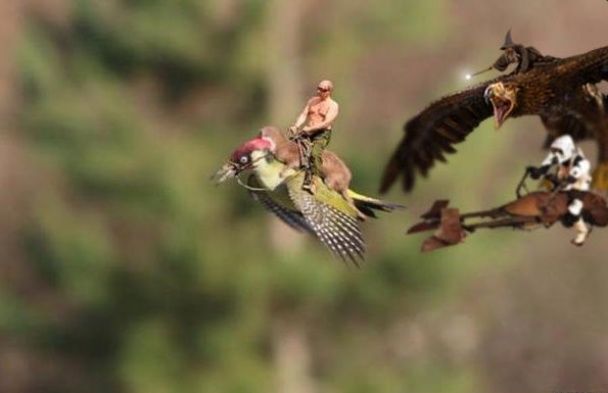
pixel 244 160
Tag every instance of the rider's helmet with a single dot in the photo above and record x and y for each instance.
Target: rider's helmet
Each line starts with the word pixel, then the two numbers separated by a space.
pixel 563 148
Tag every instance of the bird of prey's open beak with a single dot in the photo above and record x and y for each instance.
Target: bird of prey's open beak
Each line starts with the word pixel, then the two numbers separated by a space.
pixel 502 99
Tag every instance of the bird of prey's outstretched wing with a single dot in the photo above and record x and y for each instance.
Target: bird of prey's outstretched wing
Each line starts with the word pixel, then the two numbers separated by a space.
pixel 554 90
pixel 284 210
pixel 590 67
pixel 566 124
pixel 583 117
pixel 431 134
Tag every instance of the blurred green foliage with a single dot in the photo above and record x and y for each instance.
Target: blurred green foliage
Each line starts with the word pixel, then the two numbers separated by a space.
pixel 151 279
pixel 172 283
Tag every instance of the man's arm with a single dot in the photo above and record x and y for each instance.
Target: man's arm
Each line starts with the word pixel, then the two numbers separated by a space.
pixel 331 115
pixel 537 172
pixel 302 117
pixel 551 159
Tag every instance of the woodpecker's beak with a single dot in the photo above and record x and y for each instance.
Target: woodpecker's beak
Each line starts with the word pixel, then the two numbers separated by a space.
pixel 228 171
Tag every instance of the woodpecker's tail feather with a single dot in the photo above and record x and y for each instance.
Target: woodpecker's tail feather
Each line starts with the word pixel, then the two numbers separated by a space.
pixel 367 205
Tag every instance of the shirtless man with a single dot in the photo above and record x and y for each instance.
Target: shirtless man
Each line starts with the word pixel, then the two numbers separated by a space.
pixel 317 118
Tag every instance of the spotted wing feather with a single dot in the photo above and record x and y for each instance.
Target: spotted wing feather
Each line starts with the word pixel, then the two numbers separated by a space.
pixel 337 230
pixel 289 216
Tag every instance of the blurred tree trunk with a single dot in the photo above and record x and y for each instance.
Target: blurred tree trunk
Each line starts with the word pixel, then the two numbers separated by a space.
pixel 291 350
pixel 284 75
pixel 285 60
pixel 292 356
pixel 12 159
pixel 13 363
pixel 10 33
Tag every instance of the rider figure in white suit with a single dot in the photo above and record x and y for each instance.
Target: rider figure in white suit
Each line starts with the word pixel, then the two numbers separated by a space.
pixel 571 170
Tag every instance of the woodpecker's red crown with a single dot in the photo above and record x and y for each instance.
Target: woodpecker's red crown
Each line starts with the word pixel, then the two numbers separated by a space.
pixel 242 155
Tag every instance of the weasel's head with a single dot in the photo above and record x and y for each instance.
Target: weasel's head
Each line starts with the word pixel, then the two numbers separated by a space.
pixel 273 135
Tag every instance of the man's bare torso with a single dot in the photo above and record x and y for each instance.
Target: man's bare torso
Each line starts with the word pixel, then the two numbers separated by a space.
pixel 317 111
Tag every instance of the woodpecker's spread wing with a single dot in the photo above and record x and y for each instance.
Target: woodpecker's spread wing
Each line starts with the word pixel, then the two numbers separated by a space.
pixel 431 134
pixel 283 209
pixel 333 221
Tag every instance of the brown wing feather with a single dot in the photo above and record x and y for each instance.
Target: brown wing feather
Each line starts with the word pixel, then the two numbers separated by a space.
pixel 567 124
pixel 590 67
pixel 582 118
pixel 431 134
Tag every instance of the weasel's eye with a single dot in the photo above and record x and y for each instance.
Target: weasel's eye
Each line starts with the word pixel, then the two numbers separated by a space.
pixel 244 160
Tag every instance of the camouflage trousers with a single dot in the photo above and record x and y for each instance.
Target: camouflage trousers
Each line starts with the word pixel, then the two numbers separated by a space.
pixel 311 150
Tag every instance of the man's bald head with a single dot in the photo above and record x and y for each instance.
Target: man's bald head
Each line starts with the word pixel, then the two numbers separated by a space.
pixel 325 85
pixel 324 88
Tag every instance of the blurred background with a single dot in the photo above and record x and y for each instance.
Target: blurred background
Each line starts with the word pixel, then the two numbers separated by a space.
pixel 123 269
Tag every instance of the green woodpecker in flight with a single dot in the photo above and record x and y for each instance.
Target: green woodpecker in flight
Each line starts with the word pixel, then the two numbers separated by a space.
pixel 331 213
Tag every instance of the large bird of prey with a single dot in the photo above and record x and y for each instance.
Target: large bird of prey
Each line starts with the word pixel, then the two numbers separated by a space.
pixel 562 92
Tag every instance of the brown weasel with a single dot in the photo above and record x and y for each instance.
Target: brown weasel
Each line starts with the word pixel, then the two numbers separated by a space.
pixel 334 171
